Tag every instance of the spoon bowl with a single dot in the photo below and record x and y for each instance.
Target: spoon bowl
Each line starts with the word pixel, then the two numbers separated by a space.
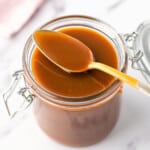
pixel 73 56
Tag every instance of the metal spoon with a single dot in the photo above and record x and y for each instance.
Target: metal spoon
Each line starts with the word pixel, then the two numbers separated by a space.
pixel 71 55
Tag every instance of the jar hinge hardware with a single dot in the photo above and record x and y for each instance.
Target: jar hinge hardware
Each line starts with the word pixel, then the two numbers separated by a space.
pixel 24 92
pixel 134 55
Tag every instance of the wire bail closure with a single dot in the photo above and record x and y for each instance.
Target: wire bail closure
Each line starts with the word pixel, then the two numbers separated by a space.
pixel 134 55
pixel 24 92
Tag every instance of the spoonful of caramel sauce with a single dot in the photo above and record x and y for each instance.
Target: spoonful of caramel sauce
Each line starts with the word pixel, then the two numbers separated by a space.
pixel 72 55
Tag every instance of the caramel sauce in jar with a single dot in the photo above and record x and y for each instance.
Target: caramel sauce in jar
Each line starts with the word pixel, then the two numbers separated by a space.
pixel 77 109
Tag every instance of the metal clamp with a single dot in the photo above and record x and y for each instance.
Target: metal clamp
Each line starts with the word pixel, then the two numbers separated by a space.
pixel 134 55
pixel 129 38
pixel 24 92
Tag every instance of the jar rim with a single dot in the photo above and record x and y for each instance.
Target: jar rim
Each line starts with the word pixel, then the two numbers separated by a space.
pixel 58 99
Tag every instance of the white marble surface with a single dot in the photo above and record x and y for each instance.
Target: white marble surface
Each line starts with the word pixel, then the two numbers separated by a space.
pixel 132 131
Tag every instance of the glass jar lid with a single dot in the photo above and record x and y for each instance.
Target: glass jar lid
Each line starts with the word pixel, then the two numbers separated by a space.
pixel 141 48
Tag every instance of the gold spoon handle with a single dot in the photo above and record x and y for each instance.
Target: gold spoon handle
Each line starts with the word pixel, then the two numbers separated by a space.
pixel 121 76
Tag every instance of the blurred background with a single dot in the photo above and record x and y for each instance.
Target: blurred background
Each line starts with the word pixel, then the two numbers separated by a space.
pixel 19 18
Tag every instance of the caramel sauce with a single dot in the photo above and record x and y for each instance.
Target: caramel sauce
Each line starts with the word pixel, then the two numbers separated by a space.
pixel 57 81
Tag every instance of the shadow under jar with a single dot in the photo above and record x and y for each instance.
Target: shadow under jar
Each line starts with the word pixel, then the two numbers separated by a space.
pixel 82 120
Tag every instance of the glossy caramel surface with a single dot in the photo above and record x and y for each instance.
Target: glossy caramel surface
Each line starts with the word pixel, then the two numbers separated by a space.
pixel 57 81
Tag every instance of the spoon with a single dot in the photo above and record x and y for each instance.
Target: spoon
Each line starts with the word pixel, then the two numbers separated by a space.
pixel 71 55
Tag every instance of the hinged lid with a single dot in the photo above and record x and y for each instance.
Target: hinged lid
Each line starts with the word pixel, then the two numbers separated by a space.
pixel 141 48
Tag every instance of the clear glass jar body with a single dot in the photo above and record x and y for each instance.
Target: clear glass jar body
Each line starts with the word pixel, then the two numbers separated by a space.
pixel 76 123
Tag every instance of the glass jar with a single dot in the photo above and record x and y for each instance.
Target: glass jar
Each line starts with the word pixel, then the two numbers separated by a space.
pixel 73 123
pixel 76 123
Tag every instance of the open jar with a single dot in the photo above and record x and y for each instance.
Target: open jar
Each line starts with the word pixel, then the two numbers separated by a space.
pixel 82 121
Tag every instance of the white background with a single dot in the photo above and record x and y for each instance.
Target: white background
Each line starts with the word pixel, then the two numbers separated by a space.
pixel 132 131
